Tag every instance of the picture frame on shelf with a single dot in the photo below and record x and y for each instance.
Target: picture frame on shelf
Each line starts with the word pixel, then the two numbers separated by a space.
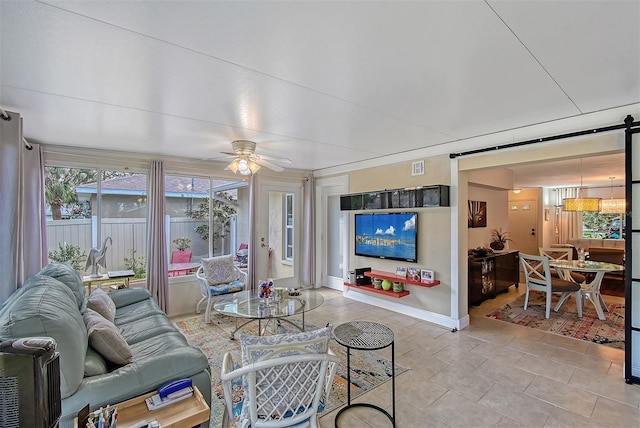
pixel 426 276
pixel 401 271
pixel 413 274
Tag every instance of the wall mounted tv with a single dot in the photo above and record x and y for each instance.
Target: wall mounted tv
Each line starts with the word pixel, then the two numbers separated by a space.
pixel 387 236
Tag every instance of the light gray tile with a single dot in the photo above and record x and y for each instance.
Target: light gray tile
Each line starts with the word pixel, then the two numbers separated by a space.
pixel 561 418
pixel 606 386
pixel 469 385
pixel 456 410
pixel 562 395
pixel 582 361
pixel 509 376
pixel 547 368
pixel 520 407
pixel 616 414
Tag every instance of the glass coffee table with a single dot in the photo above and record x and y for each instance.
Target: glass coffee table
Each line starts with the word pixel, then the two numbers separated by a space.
pixel 283 303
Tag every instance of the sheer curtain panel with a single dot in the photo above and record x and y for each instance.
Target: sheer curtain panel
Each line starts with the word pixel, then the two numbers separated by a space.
pixel 23 246
pixel 309 233
pixel 157 277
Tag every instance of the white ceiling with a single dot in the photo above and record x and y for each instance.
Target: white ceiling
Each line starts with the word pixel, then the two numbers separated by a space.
pixel 321 83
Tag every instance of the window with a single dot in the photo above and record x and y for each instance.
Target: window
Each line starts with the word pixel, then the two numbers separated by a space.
pixel 288 226
pixel 85 207
pixel 603 226
pixel 198 228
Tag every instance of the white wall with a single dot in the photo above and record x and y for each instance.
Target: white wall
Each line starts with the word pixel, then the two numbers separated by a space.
pixel 497 214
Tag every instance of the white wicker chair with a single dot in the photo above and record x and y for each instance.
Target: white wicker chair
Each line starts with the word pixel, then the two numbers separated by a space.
pixel 209 292
pixel 281 391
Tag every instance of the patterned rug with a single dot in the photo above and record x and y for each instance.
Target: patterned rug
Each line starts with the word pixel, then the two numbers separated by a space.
pixel 566 322
pixel 368 369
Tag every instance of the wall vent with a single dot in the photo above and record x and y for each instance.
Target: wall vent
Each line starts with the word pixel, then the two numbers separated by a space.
pixel 417 168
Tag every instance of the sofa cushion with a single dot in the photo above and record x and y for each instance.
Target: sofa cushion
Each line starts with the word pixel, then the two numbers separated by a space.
pixel 105 338
pixel 219 270
pixel 67 275
pixel 50 309
pixel 94 364
pixel 100 302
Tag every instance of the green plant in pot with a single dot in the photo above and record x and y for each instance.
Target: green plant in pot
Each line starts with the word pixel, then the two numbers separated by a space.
pixel 499 239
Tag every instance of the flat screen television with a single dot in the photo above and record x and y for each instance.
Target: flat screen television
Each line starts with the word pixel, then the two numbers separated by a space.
pixel 387 236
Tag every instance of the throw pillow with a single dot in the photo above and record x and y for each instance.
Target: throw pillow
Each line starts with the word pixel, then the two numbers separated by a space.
pixel 100 302
pixel 105 338
pixel 219 270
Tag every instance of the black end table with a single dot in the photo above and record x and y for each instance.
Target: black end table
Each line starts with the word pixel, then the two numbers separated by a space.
pixel 366 336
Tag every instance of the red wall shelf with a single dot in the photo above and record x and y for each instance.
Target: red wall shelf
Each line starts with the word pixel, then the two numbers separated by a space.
pixel 393 277
pixel 369 287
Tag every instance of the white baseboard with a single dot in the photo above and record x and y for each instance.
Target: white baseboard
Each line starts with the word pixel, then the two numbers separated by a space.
pixel 422 314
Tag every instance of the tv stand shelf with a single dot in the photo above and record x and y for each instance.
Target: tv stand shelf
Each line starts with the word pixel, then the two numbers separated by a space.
pixel 369 287
pixel 393 277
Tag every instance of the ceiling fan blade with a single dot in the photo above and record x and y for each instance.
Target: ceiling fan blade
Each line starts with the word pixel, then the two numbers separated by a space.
pixel 267 164
pixel 275 159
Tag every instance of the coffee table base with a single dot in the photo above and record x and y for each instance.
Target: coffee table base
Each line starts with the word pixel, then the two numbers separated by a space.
pixel 261 330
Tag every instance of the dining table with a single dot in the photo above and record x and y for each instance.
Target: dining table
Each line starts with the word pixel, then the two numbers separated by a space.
pixel 590 288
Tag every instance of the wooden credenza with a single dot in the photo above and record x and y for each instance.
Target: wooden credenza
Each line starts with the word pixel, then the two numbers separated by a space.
pixel 492 274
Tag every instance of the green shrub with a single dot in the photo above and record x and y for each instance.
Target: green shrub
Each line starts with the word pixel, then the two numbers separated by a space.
pixel 70 254
pixel 137 264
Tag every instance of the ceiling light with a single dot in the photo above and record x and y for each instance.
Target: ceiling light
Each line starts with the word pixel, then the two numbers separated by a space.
pixel 581 204
pixel 243 166
pixel 516 191
pixel 611 205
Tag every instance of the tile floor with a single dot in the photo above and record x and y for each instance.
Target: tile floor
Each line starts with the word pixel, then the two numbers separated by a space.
pixel 491 374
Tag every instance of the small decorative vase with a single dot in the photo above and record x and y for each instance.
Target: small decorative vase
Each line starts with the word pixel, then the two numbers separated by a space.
pixel 265 289
pixel 497 245
pixel 377 284
pixel 398 287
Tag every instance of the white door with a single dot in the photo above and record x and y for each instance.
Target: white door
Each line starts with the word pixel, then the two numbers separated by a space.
pixel 279 237
pixel 331 230
pixel 523 226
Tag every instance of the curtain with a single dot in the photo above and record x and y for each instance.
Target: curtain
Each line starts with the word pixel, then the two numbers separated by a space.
pixel 22 221
pixel 570 222
pixel 252 263
pixel 309 233
pixel 157 278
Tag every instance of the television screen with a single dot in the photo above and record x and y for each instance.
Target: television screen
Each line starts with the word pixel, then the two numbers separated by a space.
pixel 387 236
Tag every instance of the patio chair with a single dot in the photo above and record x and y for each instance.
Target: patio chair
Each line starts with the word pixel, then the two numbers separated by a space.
pixel 285 384
pixel 218 276
pixel 538 277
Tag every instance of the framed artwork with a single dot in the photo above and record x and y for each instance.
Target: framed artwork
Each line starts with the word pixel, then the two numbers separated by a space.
pixel 426 275
pixel 477 214
pixel 413 274
pixel 401 271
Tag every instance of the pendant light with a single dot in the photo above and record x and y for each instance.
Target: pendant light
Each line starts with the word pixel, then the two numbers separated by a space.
pixel 611 205
pixel 581 204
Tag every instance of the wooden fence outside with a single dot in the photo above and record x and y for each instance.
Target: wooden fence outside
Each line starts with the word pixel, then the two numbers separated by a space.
pixel 127 235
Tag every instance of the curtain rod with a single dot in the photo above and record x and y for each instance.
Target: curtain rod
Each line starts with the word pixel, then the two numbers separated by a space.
pixel 6 116
pixel 628 122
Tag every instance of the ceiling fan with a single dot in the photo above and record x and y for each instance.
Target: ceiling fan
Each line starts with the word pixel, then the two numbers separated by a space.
pixel 246 162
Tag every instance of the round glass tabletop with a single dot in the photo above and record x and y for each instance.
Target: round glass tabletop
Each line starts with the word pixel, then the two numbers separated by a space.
pixel 282 303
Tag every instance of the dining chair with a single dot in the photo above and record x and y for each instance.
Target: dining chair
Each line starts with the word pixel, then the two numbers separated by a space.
pixel 562 253
pixel 538 277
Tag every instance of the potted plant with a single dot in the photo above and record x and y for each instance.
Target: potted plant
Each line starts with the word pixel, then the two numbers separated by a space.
pixel 499 239
pixel 182 244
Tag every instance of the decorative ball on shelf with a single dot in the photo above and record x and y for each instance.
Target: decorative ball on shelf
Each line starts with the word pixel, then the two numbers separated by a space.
pixel 386 285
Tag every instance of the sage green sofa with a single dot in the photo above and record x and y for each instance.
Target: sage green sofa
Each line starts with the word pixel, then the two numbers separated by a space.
pixel 52 304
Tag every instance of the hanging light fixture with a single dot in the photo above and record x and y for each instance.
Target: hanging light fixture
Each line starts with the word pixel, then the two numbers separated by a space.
pixel 611 205
pixel 244 166
pixel 581 204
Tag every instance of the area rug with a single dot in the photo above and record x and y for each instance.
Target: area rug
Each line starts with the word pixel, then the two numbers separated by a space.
pixel 368 369
pixel 566 322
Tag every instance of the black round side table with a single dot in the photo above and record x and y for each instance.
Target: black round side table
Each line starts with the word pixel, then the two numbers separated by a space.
pixel 366 336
